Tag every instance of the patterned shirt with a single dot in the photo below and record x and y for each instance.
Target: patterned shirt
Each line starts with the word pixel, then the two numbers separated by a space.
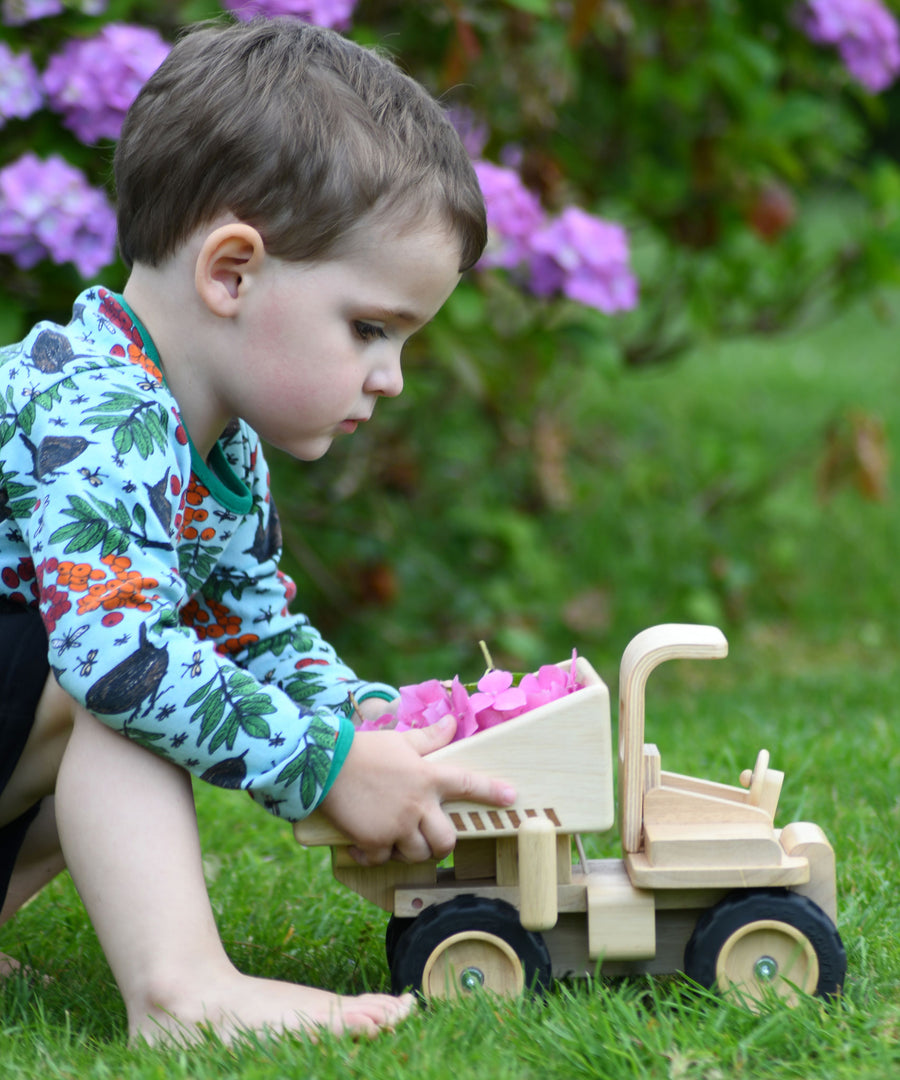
pixel 157 572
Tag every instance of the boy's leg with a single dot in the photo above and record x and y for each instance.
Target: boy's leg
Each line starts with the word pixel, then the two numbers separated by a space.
pixel 35 721
pixel 38 861
pixel 128 829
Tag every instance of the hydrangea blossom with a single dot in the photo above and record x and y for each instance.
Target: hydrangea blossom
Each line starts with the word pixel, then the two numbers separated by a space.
pixel 332 14
pixel 513 214
pixel 19 12
pixel 496 700
pixel 471 129
pixel 93 81
pixel 20 85
pixel 865 34
pixel 577 254
pixel 586 259
pixel 49 210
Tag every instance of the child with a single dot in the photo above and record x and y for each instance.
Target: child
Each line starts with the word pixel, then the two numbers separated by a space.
pixel 292 208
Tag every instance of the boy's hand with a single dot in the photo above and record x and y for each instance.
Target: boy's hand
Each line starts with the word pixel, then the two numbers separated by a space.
pixel 387 797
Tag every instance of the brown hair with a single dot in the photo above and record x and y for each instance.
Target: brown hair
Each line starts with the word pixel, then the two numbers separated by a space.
pixel 295 130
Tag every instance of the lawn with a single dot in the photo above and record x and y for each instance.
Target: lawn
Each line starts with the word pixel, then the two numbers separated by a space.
pixel 807 590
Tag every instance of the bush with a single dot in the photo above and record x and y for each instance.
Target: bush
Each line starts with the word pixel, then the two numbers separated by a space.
pixel 657 174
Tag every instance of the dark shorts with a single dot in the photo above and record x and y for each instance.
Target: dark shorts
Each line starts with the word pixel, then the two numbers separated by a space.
pixel 23 672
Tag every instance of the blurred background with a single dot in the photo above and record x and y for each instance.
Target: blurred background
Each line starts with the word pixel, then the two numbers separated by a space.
pixel 667 392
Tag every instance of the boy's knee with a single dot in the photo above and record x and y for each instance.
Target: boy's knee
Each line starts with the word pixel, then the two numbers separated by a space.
pixel 55 713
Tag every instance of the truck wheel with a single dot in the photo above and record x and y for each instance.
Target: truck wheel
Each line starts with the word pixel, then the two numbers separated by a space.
pixel 396 927
pixel 756 943
pixel 468 944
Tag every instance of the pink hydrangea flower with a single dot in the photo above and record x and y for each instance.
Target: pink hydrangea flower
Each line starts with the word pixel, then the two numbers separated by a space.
pixel 586 259
pixel 514 214
pixel 48 209
pixel 19 12
pixel 92 82
pixel 864 32
pixel 20 85
pixel 496 700
pixel 332 14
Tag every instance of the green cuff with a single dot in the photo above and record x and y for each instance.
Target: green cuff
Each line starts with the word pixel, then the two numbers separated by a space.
pixel 341 750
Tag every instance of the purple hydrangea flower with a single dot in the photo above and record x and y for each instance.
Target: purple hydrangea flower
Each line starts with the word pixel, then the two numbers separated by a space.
pixel 332 14
pixel 20 85
pixel 19 12
pixel 471 129
pixel 514 214
pixel 865 34
pixel 49 210
pixel 93 81
pixel 586 259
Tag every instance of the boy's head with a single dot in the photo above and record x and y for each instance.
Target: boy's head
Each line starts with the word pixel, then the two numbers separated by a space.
pixel 295 130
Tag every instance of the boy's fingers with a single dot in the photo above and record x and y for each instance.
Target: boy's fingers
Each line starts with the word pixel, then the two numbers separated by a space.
pixel 461 784
pixel 427 739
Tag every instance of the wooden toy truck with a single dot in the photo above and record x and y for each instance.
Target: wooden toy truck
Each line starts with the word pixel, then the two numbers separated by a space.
pixel 706 885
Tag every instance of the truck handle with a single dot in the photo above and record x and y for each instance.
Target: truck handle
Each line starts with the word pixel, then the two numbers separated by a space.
pixel 646 651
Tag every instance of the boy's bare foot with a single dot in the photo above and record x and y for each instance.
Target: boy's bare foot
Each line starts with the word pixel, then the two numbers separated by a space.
pixel 266 1005
pixel 8 966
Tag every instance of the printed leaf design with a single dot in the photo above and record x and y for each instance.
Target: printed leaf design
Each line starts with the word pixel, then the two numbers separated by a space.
pixel 297 638
pixel 147 739
pixel 312 765
pixel 226 582
pixel 304 685
pixel 16 500
pixel 137 424
pixel 108 526
pixel 196 562
pixel 231 702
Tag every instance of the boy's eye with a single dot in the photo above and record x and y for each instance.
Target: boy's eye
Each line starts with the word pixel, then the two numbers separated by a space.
pixel 368 331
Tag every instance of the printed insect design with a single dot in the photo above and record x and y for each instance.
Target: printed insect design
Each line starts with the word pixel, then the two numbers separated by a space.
pixel 95 478
pixel 68 640
pixel 86 665
pixel 195 667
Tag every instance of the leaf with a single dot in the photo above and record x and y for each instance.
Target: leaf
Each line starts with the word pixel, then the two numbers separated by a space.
pixel 114 543
pixel 308 790
pixel 199 694
pixel 123 440
pixel 142 440
pixel 226 734
pixel 291 772
pixel 211 712
pixel 26 417
pixel 81 537
pixel 145 738
pixel 254 726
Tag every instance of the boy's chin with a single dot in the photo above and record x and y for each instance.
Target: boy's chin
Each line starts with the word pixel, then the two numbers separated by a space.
pixel 311 451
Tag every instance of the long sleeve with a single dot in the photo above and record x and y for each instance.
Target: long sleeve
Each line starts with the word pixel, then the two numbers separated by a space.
pixel 149 583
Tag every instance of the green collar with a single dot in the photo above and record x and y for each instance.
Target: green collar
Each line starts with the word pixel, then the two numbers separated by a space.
pixel 215 473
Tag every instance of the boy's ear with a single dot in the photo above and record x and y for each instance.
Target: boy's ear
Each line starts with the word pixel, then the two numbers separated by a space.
pixel 228 259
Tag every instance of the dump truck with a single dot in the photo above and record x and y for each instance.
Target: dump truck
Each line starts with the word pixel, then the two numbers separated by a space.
pixel 706 884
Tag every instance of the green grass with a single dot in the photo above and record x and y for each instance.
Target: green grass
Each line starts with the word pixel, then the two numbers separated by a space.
pixel 811 607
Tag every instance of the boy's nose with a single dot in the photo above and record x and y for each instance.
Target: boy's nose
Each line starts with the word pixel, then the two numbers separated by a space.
pixel 387 378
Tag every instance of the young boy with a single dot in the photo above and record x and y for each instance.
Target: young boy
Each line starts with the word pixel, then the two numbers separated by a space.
pixel 292 208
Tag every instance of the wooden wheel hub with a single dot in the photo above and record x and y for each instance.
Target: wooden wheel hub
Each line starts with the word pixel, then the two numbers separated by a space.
pixel 472 960
pixel 768 955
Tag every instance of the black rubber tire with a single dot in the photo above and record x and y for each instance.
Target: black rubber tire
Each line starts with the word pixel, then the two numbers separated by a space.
pixel 717 925
pixel 396 927
pixel 465 914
